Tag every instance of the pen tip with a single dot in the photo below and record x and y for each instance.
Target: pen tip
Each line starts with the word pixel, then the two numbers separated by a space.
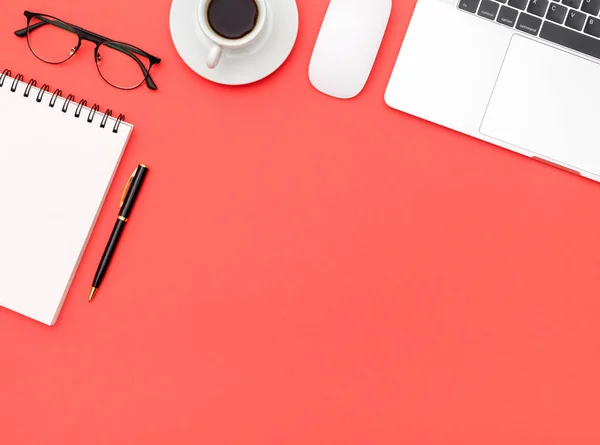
pixel 92 293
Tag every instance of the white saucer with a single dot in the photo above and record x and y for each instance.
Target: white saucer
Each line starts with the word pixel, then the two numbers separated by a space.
pixel 240 66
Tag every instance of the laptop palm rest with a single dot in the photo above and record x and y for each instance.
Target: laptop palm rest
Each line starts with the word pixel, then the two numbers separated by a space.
pixel 547 101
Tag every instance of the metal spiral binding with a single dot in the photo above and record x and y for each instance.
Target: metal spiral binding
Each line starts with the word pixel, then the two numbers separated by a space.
pixel 57 92
pixel 30 84
pixel 5 73
pixel 118 123
pixel 70 98
pixel 107 114
pixel 82 103
pixel 92 112
pixel 15 84
pixel 45 88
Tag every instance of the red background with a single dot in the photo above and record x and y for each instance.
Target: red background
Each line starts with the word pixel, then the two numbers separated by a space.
pixel 306 270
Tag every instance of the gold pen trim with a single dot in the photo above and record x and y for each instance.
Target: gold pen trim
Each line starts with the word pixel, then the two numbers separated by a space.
pixel 122 218
pixel 127 186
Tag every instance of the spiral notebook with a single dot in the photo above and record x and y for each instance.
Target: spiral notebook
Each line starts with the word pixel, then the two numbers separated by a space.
pixel 57 160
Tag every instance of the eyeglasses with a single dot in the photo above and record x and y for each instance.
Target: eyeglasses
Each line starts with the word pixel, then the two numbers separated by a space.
pixel 54 41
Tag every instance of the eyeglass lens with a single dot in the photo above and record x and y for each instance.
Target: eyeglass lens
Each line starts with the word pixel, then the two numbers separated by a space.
pixel 122 65
pixel 51 40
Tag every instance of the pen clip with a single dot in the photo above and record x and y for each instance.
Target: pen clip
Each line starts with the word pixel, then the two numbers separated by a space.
pixel 127 186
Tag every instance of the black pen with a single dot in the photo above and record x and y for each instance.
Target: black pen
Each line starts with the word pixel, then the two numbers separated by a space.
pixel 130 194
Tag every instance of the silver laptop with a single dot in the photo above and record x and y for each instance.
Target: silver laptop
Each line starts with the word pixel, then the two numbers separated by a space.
pixel 521 74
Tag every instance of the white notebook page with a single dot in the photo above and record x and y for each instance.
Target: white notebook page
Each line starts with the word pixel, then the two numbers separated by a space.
pixel 55 171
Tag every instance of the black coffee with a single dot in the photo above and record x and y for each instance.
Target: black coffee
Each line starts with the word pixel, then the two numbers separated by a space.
pixel 232 19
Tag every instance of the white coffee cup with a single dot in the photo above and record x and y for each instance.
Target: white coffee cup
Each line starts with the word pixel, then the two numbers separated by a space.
pixel 220 43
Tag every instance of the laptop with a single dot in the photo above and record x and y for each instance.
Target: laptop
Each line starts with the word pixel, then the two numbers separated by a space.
pixel 521 74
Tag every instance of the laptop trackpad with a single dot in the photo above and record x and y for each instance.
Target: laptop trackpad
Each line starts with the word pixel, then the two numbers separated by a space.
pixel 547 101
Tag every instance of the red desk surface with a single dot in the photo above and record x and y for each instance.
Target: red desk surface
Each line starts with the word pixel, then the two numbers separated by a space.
pixel 303 270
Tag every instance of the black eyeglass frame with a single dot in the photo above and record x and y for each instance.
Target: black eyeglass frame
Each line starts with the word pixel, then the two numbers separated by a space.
pixel 98 40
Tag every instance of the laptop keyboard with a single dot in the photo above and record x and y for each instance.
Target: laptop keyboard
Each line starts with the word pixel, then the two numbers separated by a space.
pixel 570 23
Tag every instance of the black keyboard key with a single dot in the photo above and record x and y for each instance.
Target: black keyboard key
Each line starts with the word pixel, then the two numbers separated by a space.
pixel 575 19
pixel 538 7
pixel 592 26
pixel 488 9
pixel 469 5
pixel 520 4
pixel 571 39
pixel 591 6
pixel 507 16
pixel 557 13
pixel 501 1
pixel 529 24
pixel 572 3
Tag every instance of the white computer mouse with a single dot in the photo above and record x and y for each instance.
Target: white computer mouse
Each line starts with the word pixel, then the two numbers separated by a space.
pixel 347 46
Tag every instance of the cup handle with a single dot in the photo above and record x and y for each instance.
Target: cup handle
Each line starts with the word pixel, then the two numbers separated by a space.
pixel 214 56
